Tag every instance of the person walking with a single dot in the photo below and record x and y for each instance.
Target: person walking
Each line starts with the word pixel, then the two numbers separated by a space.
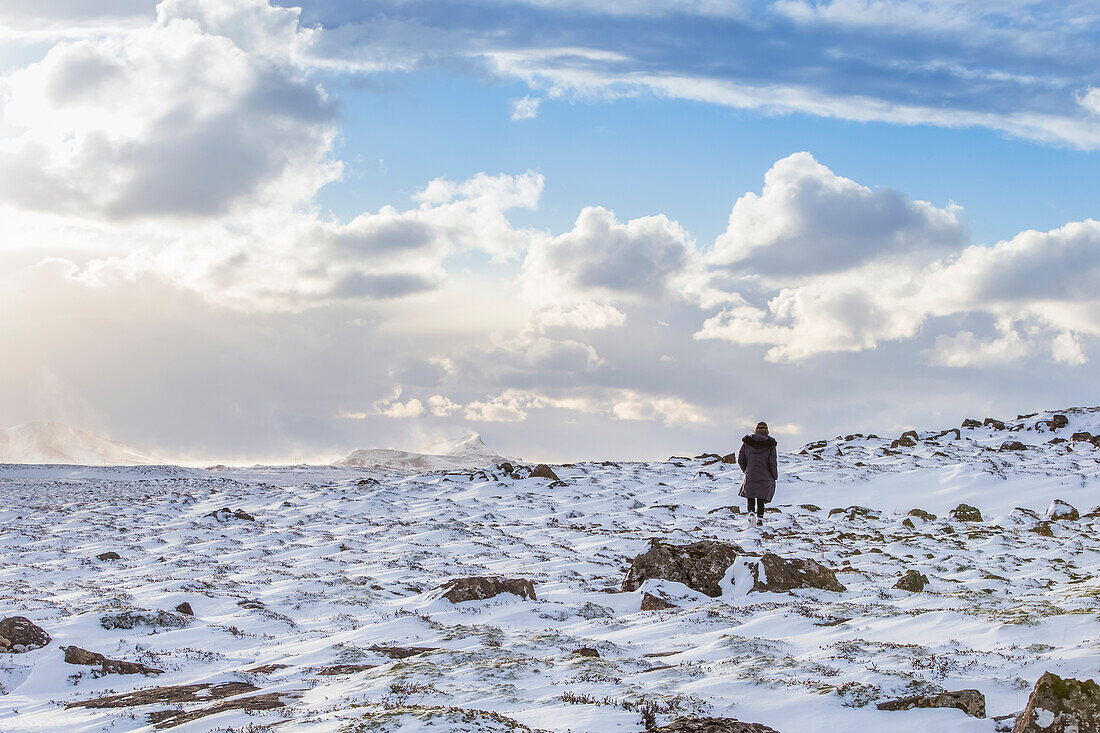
pixel 759 460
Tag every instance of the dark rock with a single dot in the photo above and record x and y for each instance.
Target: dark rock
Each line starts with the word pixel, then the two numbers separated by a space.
pixel 265 668
pixel 506 467
pixel 732 509
pixel 810 507
pixel 921 514
pixel 700 565
pixel 172 718
pixel 252 604
pixel 18 635
pixel 781 574
pixel 226 514
pixel 1043 529
pixel 1059 421
pixel 587 651
pixel 1059 509
pixel 971 702
pixel 956 431
pixel 653 603
pixel 991 423
pixel 913 581
pixel 76 655
pixel 1061 705
pixel 478 589
pixel 401 652
pixel 712 725
pixel 729 458
pixel 907 522
pixel 971 423
pixel 185 609
pixel 965 513
pixel 908 439
pixel 544 471
pixel 706 456
pixel 816 445
pixel 112 555
pixel 137 617
pixel 167 695
pixel 337 669
pixel 1012 445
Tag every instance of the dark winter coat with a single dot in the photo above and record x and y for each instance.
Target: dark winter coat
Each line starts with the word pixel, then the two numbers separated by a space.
pixel 760 462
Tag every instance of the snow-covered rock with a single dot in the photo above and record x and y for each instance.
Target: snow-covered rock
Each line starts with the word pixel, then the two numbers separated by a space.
pixel 54 442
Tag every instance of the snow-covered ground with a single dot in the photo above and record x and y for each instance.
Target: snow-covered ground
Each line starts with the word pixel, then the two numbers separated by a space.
pixel 341 562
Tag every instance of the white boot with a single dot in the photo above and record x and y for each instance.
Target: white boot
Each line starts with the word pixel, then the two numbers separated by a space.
pixel 753 521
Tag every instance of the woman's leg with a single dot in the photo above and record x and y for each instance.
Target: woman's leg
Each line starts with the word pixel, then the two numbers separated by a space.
pixel 759 508
pixel 752 505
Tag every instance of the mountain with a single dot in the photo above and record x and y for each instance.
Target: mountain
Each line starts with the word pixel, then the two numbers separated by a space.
pixel 54 442
pixel 468 451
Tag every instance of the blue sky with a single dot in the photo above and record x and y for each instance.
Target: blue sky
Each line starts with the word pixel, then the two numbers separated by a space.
pixel 238 230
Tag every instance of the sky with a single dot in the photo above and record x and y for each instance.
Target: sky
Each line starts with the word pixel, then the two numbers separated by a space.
pixel 240 230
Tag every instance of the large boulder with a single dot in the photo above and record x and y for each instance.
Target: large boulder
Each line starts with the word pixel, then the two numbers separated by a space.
pixel 700 565
pixel 971 423
pixel 965 513
pixel 992 423
pixel 478 589
pixel 1061 705
pixel 18 635
pixel 1012 445
pixel 782 574
pixel 971 702
pixel 1059 509
pixel 544 471
pixel 908 439
pixel 712 725
pixel 76 655
pixel 913 581
pixel 653 603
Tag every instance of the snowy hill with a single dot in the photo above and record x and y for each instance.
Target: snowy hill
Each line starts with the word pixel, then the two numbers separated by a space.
pixel 468 451
pixel 317 596
pixel 54 442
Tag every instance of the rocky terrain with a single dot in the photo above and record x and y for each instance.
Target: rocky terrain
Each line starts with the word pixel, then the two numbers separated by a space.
pixel 903 583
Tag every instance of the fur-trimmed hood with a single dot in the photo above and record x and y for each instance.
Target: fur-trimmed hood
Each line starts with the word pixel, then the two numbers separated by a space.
pixel 758 441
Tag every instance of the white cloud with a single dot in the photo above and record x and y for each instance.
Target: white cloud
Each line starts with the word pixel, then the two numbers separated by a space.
pixel 810 220
pixel 166 121
pixel 1090 100
pixel 595 74
pixel 603 258
pixel 525 108
pixel 1066 348
pixel 587 315
pixel 441 406
pixel 964 349
pixel 503 408
pixel 392 406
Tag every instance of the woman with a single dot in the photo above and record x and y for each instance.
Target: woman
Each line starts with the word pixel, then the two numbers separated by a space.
pixel 760 462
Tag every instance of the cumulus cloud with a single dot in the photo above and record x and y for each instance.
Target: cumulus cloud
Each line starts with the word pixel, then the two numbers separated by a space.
pixel 910 264
pixel 166 121
pixel 807 219
pixel 1090 100
pixel 587 315
pixel 525 108
pixel 600 257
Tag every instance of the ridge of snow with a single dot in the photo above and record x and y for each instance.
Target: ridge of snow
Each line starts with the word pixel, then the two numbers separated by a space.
pixel 468 451
pixel 55 442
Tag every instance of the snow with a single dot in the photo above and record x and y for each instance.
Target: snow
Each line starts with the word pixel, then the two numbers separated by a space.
pixel 342 559
pixel 54 442
pixel 468 451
